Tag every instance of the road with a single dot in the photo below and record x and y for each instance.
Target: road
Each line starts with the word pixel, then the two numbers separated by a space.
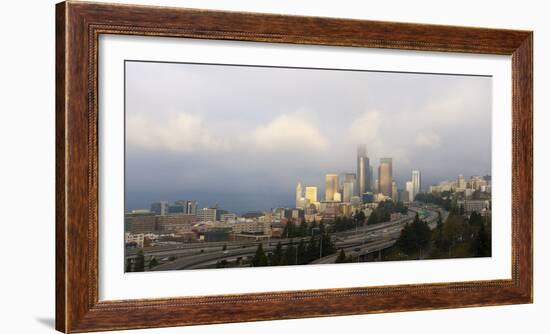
pixel 368 238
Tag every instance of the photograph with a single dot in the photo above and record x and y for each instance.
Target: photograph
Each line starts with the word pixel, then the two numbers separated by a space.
pixel 236 166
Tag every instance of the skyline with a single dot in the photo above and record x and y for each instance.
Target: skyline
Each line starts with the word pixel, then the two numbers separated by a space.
pixel 292 125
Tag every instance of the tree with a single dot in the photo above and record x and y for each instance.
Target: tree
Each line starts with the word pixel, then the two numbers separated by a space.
pixel 302 229
pixel 421 234
pixel 481 244
pixel 439 243
pixel 455 231
pixel 222 264
pixel 128 265
pixel 301 253
pixel 153 263
pixel 290 255
pixel 373 218
pixel 277 255
pixel 259 259
pixel 359 217
pixel 414 237
pixel 139 264
pixel 328 245
pixel 341 257
pixel 290 230
pixel 312 251
pixel 476 220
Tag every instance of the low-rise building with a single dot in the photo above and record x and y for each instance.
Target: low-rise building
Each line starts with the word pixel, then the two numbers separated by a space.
pixel 136 239
pixel 251 226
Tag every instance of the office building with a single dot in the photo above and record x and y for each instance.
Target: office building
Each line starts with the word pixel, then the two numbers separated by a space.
pixel 299 195
pixel 311 194
pixel 183 207
pixel 416 183
pixel 409 189
pixel 331 186
pixel 160 208
pixel 460 183
pixel 206 215
pixel 394 191
pixel 385 177
pixel 363 170
pixel 348 191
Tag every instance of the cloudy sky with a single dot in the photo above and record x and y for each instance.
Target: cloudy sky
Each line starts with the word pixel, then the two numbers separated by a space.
pixel 242 137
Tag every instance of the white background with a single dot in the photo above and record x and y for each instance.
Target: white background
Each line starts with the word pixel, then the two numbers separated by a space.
pixel 27 166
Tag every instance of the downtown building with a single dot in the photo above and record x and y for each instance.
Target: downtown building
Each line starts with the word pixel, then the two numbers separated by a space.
pixel 385 177
pixel 363 175
pixel 331 188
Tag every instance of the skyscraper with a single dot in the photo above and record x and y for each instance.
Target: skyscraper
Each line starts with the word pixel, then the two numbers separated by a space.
pixel 460 183
pixel 409 189
pixel 394 191
pixel 311 194
pixel 348 191
pixel 416 182
pixel 299 195
pixel 363 171
pixel 160 208
pixel 331 186
pixel 372 185
pixel 385 177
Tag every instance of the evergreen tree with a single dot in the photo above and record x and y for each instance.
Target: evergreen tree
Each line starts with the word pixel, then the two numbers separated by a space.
pixel 259 259
pixel 277 255
pixel 290 254
pixel 153 263
pixel 312 251
pixel 341 257
pixel 359 217
pixel 290 230
pixel 302 255
pixel 481 244
pixel 302 229
pixel 139 264
pixel 328 246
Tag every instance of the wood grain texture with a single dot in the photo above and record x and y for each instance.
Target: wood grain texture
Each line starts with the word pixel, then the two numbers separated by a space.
pixel 78 26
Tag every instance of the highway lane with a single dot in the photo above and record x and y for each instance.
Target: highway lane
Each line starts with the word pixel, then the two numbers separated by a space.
pixel 358 250
pixel 194 248
pixel 365 234
pixel 192 257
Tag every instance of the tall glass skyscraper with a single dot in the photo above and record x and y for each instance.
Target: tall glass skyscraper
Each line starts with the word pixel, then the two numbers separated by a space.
pixel 363 171
pixel 416 182
pixel 331 186
pixel 385 177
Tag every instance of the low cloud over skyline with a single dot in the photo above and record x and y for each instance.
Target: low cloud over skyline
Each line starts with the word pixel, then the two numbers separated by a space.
pixel 242 137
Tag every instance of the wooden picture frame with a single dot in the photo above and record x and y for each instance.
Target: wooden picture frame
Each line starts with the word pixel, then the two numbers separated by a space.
pixel 78 26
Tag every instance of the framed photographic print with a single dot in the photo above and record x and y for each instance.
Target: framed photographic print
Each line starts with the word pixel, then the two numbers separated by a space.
pixel 223 166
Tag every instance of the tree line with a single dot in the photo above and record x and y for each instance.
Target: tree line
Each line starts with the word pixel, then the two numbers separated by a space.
pixel 456 237
pixel 382 213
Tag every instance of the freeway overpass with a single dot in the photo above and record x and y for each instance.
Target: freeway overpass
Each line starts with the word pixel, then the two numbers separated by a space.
pixel 199 255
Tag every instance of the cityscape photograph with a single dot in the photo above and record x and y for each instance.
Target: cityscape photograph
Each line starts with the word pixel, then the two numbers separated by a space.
pixel 230 166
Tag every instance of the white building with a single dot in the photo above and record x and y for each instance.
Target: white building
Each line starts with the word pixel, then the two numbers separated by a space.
pixel 410 191
pixel 299 195
pixel 206 214
pixel 252 226
pixel 416 183
pixel 138 238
